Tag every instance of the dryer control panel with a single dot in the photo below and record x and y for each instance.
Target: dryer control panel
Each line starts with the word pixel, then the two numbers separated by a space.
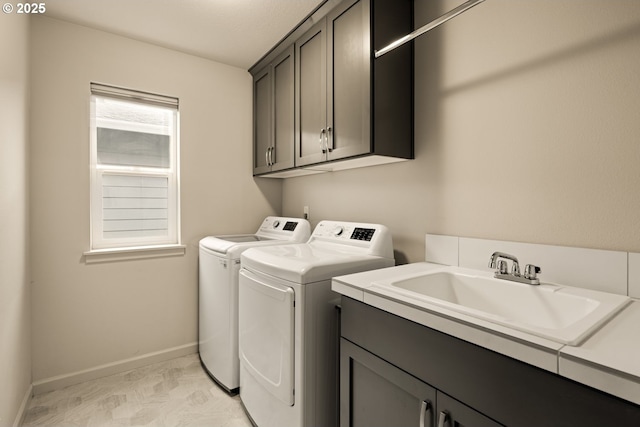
pixel 360 233
pixel 374 239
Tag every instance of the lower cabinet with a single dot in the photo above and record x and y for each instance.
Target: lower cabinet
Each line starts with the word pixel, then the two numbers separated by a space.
pixel 375 393
pixel 394 372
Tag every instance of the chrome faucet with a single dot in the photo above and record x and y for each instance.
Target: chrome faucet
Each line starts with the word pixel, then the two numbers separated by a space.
pixel 498 262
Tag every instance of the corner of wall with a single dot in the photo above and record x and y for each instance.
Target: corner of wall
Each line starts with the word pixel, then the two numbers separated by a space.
pixel 15 291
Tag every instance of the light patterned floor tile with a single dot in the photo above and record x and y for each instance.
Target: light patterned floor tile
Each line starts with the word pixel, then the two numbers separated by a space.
pixel 176 393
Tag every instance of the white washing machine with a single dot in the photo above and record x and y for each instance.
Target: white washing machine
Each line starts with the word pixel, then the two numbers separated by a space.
pixel 288 321
pixel 219 264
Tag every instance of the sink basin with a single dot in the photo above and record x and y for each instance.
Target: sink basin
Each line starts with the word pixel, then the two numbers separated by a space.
pixel 560 313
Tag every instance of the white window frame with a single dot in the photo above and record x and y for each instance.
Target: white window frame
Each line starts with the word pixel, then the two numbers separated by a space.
pixel 156 244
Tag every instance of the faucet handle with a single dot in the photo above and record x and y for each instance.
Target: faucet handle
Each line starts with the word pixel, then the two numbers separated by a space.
pixel 494 260
pixel 515 268
pixel 531 271
pixel 502 266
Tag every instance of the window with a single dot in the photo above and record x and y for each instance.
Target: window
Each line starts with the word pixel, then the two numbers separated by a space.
pixel 135 198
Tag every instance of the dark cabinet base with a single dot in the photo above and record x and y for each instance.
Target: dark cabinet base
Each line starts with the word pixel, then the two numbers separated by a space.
pixel 503 389
pixel 382 395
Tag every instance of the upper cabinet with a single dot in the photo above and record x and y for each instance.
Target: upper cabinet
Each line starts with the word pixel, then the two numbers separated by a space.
pixel 333 75
pixel 311 94
pixel 351 110
pixel 273 115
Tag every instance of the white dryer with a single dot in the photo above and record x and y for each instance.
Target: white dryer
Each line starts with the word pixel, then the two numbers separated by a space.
pixel 219 264
pixel 288 322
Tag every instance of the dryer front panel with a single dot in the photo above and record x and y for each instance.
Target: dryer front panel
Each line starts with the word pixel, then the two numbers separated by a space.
pixel 266 337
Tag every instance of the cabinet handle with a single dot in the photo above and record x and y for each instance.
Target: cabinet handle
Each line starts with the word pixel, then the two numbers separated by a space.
pixel 329 137
pixel 425 407
pixel 266 156
pixel 272 159
pixel 322 142
pixel 443 418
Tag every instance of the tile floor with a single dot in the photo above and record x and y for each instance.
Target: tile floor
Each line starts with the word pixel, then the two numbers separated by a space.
pixel 173 393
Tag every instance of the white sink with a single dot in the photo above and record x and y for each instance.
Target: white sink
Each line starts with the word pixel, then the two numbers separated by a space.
pixel 560 313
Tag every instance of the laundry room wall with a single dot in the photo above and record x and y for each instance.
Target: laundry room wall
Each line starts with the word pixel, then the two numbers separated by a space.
pixel 88 316
pixel 15 290
pixel 526 129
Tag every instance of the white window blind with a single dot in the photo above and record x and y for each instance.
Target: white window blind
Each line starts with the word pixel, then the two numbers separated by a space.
pixel 134 206
pixel 134 169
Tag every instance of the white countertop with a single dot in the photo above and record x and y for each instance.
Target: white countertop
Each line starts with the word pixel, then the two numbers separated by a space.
pixel 609 360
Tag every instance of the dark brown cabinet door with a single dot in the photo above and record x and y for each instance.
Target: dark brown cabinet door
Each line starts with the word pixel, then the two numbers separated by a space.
pixel 261 120
pixel 274 115
pixel 374 393
pixel 283 110
pixel 349 80
pixel 311 96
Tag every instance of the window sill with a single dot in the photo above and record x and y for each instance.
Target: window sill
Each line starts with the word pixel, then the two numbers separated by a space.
pixel 140 252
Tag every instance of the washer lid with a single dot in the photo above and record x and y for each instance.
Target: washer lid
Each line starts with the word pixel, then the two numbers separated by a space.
pixel 272 231
pixel 222 244
pixel 236 244
pixel 304 263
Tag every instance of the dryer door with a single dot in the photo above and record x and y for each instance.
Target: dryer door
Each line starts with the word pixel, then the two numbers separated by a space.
pixel 266 341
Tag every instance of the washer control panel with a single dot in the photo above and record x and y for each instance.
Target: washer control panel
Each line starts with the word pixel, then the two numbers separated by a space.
pixel 290 225
pixel 294 229
pixel 280 224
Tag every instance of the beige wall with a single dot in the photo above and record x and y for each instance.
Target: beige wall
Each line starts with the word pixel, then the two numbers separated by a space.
pixel 89 315
pixel 527 129
pixel 15 300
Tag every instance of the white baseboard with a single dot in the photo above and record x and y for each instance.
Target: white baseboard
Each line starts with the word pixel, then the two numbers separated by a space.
pixel 23 407
pixel 61 381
